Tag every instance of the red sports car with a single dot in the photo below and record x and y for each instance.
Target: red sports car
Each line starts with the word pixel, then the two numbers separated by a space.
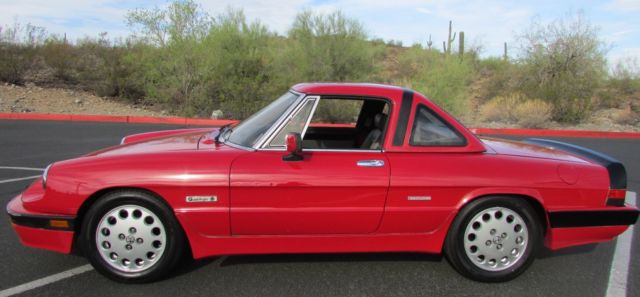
pixel 326 168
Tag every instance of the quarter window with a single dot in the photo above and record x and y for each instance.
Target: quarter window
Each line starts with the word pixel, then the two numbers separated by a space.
pixel 430 130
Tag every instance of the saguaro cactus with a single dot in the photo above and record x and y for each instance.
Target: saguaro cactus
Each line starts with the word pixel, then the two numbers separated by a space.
pixel 429 42
pixel 461 44
pixel 450 39
pixel 504 55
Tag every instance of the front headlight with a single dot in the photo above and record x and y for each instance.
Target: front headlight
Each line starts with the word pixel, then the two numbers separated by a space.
pixel 44 176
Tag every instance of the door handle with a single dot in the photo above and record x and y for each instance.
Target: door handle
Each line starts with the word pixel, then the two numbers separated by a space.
pixel 370 163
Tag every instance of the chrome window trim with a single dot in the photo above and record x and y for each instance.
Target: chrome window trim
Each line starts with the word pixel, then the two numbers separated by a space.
pixel 342 150
pixel 258 144
pixel 281 124
pixel 323 150
pixel 313 111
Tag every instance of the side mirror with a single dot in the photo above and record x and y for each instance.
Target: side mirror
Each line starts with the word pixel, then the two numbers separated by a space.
pixel 293 142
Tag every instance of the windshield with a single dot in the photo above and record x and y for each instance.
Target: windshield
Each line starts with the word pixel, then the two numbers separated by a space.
pixel 250 130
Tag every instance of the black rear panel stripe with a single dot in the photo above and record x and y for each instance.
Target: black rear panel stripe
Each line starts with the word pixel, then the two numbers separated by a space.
pixel 617 172
pixel 568 219
pixel 403 118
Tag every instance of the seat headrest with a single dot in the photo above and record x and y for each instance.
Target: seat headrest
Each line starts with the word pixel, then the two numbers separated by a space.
pixel 380 120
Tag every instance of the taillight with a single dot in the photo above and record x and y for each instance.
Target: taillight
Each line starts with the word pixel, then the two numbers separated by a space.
pixel 616 197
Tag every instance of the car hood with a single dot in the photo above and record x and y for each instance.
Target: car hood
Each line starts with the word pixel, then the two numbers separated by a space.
pixel 176 142
pixel 521 149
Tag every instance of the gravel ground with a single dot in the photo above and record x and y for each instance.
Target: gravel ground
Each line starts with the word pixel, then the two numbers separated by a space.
pixel 31 98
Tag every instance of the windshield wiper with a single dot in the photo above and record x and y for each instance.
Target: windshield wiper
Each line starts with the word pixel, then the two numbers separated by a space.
pixel 224 129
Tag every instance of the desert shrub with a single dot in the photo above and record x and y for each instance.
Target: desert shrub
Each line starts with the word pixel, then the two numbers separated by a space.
pixel 102 68
pixel 499 76
pixel 564 64
pixel 18 48
pixel 239 66
pixel 337 111
pixel 625 76
pixel 443 79
pixel 15 60
pixel 622 86
pixel 533 113
pixel 169 59
pixel 501 108
pixel 329 47
pixel 60 55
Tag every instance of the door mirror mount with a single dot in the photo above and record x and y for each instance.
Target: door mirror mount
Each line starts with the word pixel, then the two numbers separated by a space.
pixel 293 141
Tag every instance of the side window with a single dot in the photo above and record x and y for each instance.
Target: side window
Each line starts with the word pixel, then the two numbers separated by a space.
pixel 347 124
pixel 337 111
pixel 296 123
pixel 430 130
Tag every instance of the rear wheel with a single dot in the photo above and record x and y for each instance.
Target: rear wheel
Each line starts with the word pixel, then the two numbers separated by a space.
pixel 130 236
pixel 494 239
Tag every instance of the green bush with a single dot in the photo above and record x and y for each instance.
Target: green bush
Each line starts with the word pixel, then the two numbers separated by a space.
pixel 442 79
pixel 102 67
pixel 239 64
pixel 61 56
pixel 564 64
pixel 329 47
pixel 18 48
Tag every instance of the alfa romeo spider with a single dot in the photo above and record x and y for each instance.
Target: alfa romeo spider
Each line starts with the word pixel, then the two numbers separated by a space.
pixel 326 168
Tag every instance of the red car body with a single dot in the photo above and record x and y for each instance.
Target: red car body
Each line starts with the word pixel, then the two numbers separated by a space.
pixel 325 203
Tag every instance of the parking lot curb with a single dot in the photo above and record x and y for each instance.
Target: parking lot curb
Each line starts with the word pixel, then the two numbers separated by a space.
pixel 555 133
pixel 211 122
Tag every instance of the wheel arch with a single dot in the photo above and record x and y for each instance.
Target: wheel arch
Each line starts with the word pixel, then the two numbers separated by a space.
pixel 534 200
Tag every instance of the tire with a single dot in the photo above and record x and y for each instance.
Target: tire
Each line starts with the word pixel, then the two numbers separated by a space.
pixel 494 239
pixel 131 237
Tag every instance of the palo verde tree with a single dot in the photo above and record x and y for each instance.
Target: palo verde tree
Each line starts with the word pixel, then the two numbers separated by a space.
pixel 564 63
pixel 329 47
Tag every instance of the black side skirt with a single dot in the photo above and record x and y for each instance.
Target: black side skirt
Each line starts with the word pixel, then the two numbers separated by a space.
pixel 568 219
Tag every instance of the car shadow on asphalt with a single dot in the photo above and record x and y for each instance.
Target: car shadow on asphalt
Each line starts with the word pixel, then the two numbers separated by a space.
pixel 316 258
pixel 576 250
pixel 188 265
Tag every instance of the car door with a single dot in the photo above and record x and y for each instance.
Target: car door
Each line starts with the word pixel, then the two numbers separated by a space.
pixel 329 191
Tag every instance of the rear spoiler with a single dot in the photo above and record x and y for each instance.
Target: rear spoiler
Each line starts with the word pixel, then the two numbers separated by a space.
pixel 617 173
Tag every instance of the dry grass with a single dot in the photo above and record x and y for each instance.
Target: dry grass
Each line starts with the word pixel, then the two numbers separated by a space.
pixel 517 109
pixel 500 108
pixel 626 117
pixel 533 113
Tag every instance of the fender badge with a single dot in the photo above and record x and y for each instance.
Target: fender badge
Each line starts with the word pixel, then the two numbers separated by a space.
pixel 202 198
pixel 419 198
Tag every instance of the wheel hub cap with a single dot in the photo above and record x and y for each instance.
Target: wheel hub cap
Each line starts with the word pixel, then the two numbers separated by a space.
pixel 130 238
pixel 496 238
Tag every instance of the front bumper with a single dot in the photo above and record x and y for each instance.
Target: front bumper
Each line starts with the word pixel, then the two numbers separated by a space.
pixel 45 231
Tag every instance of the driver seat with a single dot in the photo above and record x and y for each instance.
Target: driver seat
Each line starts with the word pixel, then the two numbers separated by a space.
pixel 374 138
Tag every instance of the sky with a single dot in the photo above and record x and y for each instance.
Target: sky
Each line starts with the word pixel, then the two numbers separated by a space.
pixel 486 23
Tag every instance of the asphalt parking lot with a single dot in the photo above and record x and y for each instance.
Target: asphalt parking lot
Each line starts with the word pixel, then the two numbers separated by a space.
pixel 581 271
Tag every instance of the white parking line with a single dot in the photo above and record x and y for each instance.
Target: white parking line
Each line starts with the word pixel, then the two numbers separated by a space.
pixel 18 179
pixel 21 168
pixel 45 281
pixel 621 258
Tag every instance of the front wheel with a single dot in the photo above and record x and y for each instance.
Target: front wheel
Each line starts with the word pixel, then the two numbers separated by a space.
pixel 494 239
pixel 130 236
